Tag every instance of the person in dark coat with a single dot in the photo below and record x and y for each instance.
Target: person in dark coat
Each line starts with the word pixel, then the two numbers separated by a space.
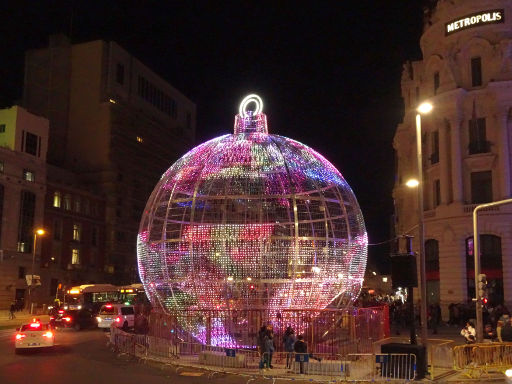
pixel 300 347
pixel 262 345
pixel 489 334
pixel 289 340
pixel 12 309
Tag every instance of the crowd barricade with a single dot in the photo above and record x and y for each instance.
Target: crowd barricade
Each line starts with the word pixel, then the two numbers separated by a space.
pixel 124 343
pixel 317 364
pixel 162 348
pixel 395 366
pixel 440 356
pixel 478 359
pixel 358 367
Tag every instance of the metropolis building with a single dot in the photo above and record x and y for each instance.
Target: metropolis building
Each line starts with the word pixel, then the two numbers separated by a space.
pixel 466 73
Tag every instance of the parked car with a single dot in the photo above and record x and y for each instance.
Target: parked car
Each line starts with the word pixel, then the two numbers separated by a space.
pixel 77 319
pixel 34 335
pixel 120 315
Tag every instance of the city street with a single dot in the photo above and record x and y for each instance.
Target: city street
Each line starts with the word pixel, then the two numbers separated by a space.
pixel 83 357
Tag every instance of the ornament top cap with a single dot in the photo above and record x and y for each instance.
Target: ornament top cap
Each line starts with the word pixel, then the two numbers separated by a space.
pixel 248 121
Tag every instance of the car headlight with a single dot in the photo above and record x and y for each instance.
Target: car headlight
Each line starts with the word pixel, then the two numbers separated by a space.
pixel 99 319
pixel 508 372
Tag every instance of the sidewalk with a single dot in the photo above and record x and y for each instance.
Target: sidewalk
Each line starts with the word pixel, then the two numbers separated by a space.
pixel 21 317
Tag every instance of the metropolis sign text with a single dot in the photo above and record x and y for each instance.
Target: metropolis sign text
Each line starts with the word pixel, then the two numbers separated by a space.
pixel 477 19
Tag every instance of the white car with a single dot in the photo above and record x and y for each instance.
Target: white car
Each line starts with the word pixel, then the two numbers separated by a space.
pixel 34 335
pixel 119 315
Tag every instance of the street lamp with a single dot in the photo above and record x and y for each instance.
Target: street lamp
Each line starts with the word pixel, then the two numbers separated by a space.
pixel 40 232
pixel 422 109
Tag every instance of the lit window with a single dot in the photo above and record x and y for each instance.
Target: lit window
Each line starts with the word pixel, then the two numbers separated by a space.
pixel 140 139
pixel 75 256
pixel 67 202
pixel 76 232
pixel 57 199
pixel 28 175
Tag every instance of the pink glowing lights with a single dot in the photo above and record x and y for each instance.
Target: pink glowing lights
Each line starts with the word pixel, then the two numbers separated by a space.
pixel 251 220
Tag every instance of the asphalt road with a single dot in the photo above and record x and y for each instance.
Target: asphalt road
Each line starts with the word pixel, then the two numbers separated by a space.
pixel 83 357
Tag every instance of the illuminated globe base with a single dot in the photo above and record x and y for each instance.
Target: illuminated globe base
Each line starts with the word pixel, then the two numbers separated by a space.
pixel 250 221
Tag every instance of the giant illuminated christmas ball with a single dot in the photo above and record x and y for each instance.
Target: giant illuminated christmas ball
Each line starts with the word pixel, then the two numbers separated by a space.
pixel 251 220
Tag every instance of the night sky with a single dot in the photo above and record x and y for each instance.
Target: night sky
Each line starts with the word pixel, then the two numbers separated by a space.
pixel 328 71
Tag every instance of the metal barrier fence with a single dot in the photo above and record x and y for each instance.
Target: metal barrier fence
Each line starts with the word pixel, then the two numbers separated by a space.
pixel 335 331
pixel 478 359
pixel 360 367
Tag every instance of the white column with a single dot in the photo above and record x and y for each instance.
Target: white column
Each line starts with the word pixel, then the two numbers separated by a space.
pixel 444 161
pixel 456 161
pixel 504 156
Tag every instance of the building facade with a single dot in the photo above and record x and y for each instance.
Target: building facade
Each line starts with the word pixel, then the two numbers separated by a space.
pixel 466 73
pixel 116 124
pixel 23 147
pixel 74 249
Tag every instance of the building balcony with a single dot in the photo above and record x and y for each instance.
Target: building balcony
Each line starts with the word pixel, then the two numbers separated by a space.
pixel 471 207
pixel 476 147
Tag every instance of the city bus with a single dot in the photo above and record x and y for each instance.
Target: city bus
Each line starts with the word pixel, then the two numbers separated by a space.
pixel 90 296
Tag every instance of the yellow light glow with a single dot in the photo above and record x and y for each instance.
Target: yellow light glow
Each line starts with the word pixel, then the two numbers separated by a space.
pixel 412 183
pixel 384 279
pixel 40 231
pixel 425 108
pixel 230 278
pixel 249 278
pixel 74 291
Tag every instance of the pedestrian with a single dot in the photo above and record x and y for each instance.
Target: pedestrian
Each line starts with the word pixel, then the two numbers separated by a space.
pixel 489 334
pixel 499 326
pixel 469 332
pixel 12 309
pixel 269 349
pixel 506 331
pixel 289 340
pixel 261 345
pixel 301 348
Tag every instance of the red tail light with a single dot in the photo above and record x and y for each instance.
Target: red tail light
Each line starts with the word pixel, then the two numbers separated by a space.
pixel 61 311
pixel 108 306
pixel 52 318
pixel 35 325
pixel 118 319
pixel 67 318
pixel 20 336
pixel 48 334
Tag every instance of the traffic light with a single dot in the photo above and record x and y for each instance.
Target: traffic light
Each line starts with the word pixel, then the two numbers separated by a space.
pixel 482 288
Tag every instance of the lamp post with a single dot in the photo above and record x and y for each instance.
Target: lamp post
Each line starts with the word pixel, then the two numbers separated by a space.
pixel 421 110
pixel 39 232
